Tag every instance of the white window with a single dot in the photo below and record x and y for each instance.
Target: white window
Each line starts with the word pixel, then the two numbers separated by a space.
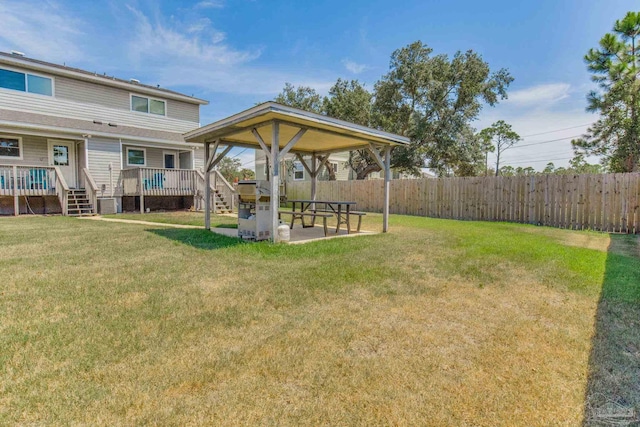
pixel 60 155
pixel 136 157
pixel 298 171
pixel 334 166
pixel 25 82
pixel 142 104
pixel 10 147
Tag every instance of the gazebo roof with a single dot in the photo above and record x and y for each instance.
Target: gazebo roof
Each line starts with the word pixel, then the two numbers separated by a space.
pixel 323 134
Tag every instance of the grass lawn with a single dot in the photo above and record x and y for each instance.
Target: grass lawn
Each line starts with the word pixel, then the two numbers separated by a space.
pixel 179 217
pixel 437 323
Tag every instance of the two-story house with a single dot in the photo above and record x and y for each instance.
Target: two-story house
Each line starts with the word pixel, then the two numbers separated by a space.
pixel 71 138
pixel 295 172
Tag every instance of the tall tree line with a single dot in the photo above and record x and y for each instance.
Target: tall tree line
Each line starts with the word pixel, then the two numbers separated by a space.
pixel 614 65
pixel 432 99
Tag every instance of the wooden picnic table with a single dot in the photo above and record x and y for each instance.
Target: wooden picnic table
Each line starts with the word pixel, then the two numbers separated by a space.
pixel 341 209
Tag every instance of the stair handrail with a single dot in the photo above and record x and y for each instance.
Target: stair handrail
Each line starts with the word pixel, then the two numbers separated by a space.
pixel 229 188
pixel 62 190
pixel 202 181
pixel 92 189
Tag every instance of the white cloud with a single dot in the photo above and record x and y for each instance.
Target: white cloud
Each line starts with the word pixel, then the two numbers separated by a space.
pixel 354 67
pixel 200 55
pixel 541 94
pixel 169 44
pixel 42 30
pixel 210 4
pixel 200 26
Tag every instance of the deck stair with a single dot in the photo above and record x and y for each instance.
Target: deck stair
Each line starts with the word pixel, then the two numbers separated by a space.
pixel 78 203
pixel 219 203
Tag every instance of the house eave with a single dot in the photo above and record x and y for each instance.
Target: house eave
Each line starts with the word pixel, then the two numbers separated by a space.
pixel 81 134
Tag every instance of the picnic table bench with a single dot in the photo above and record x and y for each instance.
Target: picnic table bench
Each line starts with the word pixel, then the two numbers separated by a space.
pixel 320 208
pixel 301 215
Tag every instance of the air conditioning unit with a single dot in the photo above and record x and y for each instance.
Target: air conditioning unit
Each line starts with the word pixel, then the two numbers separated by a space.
pixel 107 205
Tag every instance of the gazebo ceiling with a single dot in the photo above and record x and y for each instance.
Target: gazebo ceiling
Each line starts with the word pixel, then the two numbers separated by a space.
pixel 323 134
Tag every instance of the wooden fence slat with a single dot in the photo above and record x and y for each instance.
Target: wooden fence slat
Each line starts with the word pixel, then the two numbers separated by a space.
pixel 607 202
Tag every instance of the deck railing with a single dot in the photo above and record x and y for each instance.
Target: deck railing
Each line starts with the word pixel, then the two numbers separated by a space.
pixel 159 182
pixel 226 190
pixel 23 180
pixel 62 191
pixel 218 182
pixel 173 182
pixel 27 180
pixel 91 188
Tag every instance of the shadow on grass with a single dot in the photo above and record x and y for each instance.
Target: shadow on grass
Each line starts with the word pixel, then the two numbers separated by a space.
pixel 613 388
pixel 198 238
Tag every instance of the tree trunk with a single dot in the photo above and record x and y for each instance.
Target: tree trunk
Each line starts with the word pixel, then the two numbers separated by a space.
pixel 362 174
pixel 486 163
pixel 331 172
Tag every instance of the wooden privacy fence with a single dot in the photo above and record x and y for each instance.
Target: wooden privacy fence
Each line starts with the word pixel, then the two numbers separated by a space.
pixel 608 202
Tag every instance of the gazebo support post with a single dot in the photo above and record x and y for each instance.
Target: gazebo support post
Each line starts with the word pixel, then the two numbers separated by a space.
pixel 385 165
pixel 211 162
pixel 314 177
pixel 387 184
pixel 275 180
pixel 314 170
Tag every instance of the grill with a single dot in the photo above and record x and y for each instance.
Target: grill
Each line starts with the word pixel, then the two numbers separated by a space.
pixel 254 217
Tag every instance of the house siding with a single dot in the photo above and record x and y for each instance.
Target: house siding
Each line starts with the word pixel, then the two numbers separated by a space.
pixel 57 106
pixel 102 152
pixel 111 97
pixel 199 159
pixel 343 173
pixel 183 111
pixel 89 93
pixel 82 162
pixel 34 151
pixel 154 156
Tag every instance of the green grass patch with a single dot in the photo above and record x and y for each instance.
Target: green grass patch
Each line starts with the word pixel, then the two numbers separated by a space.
pixel 438 322
pixel 179 217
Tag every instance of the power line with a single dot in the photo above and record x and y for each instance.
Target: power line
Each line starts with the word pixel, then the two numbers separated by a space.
pixel 240 153
pixel 506 156
pixel 557 130
pixel 544 142
pixel 246 163
pixel 537 160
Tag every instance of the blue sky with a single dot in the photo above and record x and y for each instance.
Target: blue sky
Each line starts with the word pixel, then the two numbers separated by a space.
pixel 236 53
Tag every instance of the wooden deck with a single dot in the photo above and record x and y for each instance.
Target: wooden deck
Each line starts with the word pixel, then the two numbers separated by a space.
pixel 142 182
pixel 23 181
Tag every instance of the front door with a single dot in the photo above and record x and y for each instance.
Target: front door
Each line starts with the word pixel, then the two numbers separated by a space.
pixel 169 160
pixel 171 178
pixel 62 155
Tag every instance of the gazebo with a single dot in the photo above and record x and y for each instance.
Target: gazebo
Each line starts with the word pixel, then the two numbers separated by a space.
pixel 280 130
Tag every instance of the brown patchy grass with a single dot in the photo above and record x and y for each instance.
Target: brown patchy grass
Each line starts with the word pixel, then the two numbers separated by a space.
pixel 437 323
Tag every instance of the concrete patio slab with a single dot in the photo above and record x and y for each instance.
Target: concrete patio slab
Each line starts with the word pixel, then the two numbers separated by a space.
pixel 299 235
